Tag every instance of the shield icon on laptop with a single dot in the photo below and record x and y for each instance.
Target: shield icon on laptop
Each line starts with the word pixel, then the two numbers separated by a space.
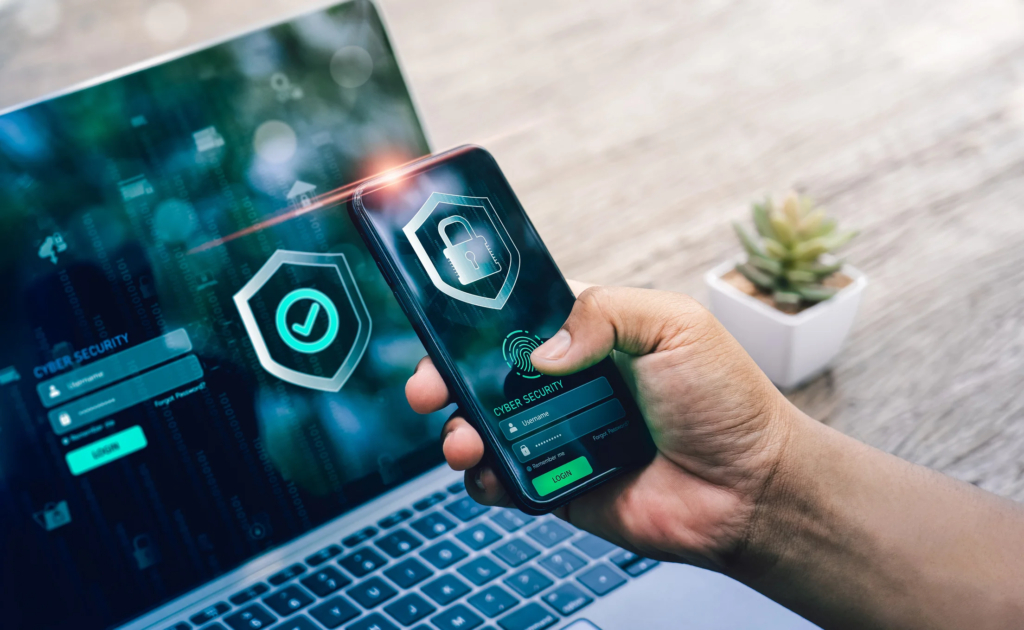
pixel 306 318
pixel 465 249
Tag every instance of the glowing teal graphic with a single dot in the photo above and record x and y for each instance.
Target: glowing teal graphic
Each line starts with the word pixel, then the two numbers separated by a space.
pixel 104 451
pixel 471 258
pixel 503 244
pixel 516 350
pixel 287 333
pixel 296 336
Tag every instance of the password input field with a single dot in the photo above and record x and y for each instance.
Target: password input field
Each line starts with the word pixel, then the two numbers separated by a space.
pixel 572 429
pixel 126 394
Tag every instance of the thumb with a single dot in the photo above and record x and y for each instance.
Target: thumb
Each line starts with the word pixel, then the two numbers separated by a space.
pixel 633 321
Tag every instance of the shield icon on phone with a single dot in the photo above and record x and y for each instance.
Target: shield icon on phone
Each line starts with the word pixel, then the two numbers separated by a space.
pixel 465 249
pixel 306 318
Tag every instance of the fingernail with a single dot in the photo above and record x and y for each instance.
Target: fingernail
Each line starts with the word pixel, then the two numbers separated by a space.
pixel 556 347
pixel 477 480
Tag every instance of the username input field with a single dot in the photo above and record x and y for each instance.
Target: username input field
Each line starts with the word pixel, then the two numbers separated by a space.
pixel 109 370
pixel 550 411
pixel 124 395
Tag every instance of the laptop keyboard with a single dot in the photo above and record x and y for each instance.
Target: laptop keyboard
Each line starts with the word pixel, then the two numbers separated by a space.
pixel 445 563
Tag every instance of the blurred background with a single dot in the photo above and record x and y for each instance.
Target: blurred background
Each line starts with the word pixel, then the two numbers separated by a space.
pixel 634 132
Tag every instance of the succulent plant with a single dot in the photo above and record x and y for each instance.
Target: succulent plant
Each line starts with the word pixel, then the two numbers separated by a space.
pixel 785 261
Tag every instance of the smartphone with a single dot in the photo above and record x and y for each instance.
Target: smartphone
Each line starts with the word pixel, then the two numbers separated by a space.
pixel 482 292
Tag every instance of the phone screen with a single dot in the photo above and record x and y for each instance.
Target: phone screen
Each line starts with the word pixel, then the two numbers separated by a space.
pixel 489 293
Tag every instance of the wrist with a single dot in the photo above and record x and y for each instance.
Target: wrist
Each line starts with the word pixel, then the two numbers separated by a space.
pixel 783 501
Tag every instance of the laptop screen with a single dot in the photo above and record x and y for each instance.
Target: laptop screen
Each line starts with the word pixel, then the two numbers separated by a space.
pixel 186 380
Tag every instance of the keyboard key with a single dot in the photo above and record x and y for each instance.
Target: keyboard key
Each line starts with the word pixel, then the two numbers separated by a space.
pixel 361 562
pixel 390 521
pixel 549 533
pixel 180 626
pixel 481 570
pixel 433 525
pixel 428 502
pixel 622 558
pixel 643 565
pixel 466 509
pixel 493 600
pixel 446 589
pixel 409 609
pixel 408 572
pixel 456 487
pixel 567 599
pixel 376 621
pixel 209 613
pixel 325 581
pixel 515 552
pixel 510 520
pixel 528 582
pixel 334 612
pixel 287 600
pixel 593 546
pixel 601 579
pixel 251 617
pixel 359 537
pixel 458 617
pixel 283 576
pixel 371 592
pixel 532 616
pixel 562 562
pixel 298 623
pixel 443 554
pixel 323 555
pixel 248 594
pixel 398 543
pixel 478 536
pixel 212 626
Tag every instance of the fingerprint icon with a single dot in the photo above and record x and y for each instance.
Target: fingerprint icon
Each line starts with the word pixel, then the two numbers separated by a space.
pixel 517 348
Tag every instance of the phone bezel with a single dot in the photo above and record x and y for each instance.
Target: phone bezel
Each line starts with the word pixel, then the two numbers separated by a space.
pixel 507 469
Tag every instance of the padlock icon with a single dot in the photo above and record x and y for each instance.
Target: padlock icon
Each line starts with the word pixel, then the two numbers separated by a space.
pixel 145 552
pixel 472 258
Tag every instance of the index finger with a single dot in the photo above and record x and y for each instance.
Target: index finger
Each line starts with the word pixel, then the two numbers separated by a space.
pixel 425 389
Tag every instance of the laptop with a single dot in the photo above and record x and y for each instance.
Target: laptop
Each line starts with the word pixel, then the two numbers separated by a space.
pixel 175 452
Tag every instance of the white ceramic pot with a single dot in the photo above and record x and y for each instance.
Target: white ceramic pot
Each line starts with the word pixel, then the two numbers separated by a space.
pixel 791 349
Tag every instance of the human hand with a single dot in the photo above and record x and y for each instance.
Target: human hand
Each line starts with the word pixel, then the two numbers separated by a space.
pixel 719 424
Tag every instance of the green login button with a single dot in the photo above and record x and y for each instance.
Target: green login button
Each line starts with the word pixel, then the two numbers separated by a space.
pixel 562 476
pixel 82 460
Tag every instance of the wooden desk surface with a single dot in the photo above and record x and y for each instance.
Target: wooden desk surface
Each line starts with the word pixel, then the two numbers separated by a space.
pixel 635 131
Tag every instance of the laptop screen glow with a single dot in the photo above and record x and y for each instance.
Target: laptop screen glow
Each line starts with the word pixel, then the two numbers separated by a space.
pixel 174 402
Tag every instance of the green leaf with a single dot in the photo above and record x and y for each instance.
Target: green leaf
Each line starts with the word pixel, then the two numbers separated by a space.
pixel 782 229
pixel 835 241
pixel 749 244
pixel 809 224
pixel 809 250
pixel 776 249
pixel 791 208
pixel 827 227
pixel 758 277
pixel 787 298
pixel 764 226
pixel 820 269
pixel 767 265
pixel 816 293
pixel 798 276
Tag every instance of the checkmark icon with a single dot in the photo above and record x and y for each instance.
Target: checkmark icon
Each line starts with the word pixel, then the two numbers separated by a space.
pixel 307 328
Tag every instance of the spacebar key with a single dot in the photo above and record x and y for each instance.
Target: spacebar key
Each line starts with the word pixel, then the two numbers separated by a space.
pixel 529 617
